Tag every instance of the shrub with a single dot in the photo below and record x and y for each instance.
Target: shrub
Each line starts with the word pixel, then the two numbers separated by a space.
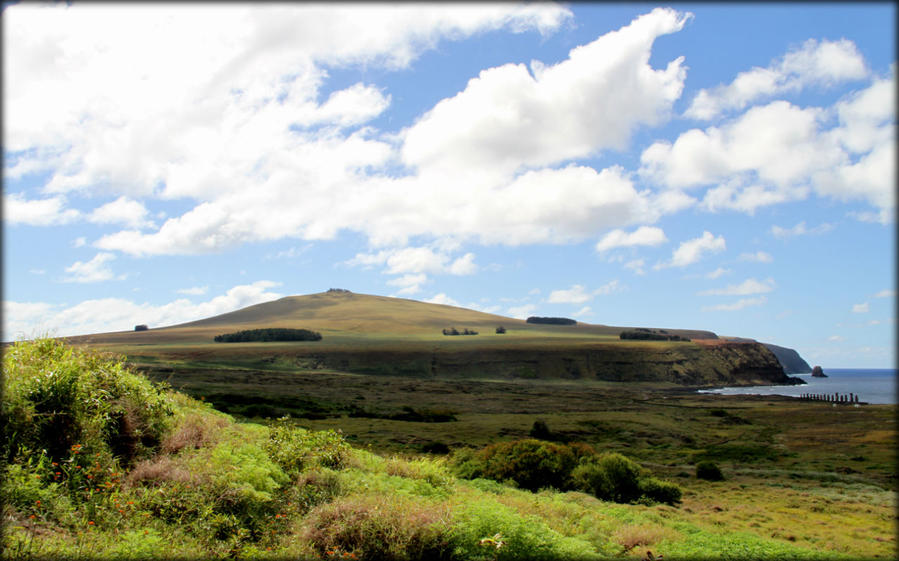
pixel 611 477
pixel 551 320
pixel 631 536
pixel 295 449
pixel 379 528
pixel 531 464
pixel 540 430
pixel 660 491
pixel 57 397
pixel 709 471
pixel 268 334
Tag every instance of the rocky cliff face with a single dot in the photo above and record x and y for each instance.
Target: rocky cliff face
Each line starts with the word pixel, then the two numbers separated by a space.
pixel 789 359
pixel 710 364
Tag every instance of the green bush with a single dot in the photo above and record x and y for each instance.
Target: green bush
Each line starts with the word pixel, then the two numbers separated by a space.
pixel 709 471
pixel 268 334
pixel 660 491
pixel 57 398
pixel 611 477
pixel 295 449
pixel 531 464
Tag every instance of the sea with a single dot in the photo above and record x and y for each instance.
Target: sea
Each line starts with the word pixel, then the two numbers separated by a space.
pixel 872 385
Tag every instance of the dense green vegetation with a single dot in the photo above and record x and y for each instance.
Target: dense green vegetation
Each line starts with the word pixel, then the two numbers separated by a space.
pixel 551 320
pixel 643 334
pixel 454 331
pixel 269 334
pixel 141 471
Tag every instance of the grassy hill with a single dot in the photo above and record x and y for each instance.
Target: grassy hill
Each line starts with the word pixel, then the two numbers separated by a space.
pixel 393 336
pixel 345 316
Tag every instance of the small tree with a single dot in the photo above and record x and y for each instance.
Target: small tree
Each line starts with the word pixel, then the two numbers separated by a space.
pixel 709 471
pixel 500 329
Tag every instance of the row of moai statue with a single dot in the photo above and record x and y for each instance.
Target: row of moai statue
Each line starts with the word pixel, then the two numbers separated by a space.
pixel 831 397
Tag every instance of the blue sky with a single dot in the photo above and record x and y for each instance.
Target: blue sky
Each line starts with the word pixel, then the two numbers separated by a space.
pixel 727 167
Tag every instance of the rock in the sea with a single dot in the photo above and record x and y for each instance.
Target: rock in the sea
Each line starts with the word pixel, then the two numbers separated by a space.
pixel 818 372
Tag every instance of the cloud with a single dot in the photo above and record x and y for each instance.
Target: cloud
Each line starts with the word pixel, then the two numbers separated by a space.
pixel 800 229
pixel 886 293
pixel 836 338
pixel 521 312
pixel 691 251
pixel 252 134
pixel 778 144
pixel 758 257
pixel 49 211
pixel 736 306
pixel 815 63
pixel 443 299
pixel 414 262
pixel 193 291
pixel 512 116
pixel 644 235
pixel 717 273
pixel 747 287
pixel 780 152
pixel 578 294
pixel 95 270
pixel 118 314
pixel 863 308
pixel 121 211
pixel 409 283
pixel 585 311
pixel 636 266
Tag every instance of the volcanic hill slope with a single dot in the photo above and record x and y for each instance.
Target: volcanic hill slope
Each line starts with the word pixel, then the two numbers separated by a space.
pixel 392 336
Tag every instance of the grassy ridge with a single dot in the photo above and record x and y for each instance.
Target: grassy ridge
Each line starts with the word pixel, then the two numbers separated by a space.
pixel 206 485
pixel 392 336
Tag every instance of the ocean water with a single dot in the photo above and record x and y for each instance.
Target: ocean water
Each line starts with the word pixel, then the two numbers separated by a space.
pixel 871 385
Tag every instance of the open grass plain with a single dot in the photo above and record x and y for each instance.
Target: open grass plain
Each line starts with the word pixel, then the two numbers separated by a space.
pixel 801 479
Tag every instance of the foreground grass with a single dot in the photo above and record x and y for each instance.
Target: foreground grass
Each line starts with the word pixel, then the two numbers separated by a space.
pixel 198 483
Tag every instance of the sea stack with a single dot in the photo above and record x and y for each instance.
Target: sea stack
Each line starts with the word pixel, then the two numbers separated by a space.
pixel 818 372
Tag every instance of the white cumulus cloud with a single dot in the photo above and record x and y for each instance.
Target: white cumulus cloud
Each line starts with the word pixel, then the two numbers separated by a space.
pixel 95 270
pixel 121 211
pixel 736 306
pixel 800 229
pixel 747 287
pixel 512 116
pixel 37 212
pixel 758 257
pixel 691 251
pixel 118 314
pixel 644 235
pixel 814 63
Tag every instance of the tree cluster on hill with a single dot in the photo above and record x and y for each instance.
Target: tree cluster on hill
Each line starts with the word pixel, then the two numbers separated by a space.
pixel 500 330
pixel 339 291
pixel 454 331
pixel 643 334
pixel 551 320
pixel 268 334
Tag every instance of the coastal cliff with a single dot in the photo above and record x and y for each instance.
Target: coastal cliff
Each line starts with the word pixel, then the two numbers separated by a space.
pixel 790 360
